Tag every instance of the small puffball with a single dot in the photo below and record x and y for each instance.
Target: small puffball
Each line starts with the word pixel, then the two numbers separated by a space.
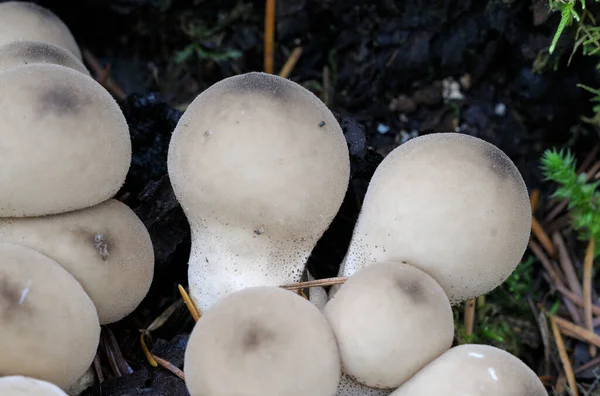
pixel 105 247
pixel 25 386
pixel 23 20
pixel 260 166
pixel 262 341
pixel 474 370
pixel 450 204
pixel 390 320
pixel 50 327
pixel 22 53
pixel 349 387
pixel 64 142
pixel 317 295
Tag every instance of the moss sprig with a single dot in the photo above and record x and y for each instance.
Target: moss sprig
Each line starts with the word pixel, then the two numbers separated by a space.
pixel 582 196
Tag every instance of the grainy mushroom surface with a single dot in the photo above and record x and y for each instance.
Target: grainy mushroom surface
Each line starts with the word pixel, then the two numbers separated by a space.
pixel 64 141
pixel 50 327
pixel 25 386
pixel 21 53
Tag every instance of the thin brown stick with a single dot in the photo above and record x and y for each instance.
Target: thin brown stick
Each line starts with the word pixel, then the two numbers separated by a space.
pixel 567 264
pixel 564 357
pixel 589 159
pixel 534 199
pixel 189 303
pixel 587 365
pixel 169 366
pixel 575 299
pixel 581 333
pixel 552 271
pixel 146 351
pixel 542 236
pixel 98 70
pixel 469 317
pixel 286 70
pixel 587 290
pixel 316 283
pixel 593 171
pixel 269 35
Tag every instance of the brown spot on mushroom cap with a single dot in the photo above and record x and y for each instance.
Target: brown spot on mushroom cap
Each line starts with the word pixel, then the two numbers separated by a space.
pixel 390 320
pixel 52 332
pixel 262 341
pixel 474 370
pixel 453 205
pixel 259 180
pixel 26 386
pixel 22 53
pixel 22 20
pixel 115 270
pixel 62 137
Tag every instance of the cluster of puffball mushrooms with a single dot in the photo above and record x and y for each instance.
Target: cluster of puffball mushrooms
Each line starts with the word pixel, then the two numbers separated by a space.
pixel 260 166
pixel 71 257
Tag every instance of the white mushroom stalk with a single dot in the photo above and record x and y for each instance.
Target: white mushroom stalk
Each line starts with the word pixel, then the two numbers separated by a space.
pixel 474 370
pixel 260 167
pixel 450 204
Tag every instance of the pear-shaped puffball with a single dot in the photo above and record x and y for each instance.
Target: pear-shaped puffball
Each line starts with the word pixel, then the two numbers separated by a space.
pixel 450 204
pixel 26 386
pixel 262 341
pixel 349 387
pixel 390 320
pixel 23 20
pixel 49 326
pixel 260 167
pixel 106 248
pixel 22 53
pixel 474 370
pixel 64 142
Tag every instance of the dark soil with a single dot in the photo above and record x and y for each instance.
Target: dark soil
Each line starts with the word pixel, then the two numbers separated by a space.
pixel 386 61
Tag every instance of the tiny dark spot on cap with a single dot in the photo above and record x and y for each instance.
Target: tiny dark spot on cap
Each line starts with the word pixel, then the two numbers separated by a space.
pixel 322 124
pixel 255 337
pixel 10 298
pixel 60 99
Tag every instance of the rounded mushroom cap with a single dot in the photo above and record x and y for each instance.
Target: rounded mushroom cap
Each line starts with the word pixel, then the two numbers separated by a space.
pixel 390 320
pixel 50 328
pixel 106 248
pixel 20 53
pixel 450 204
pixel 258 151
pixel 349 387
pixel 478 370
pixel 23 20
pixel 63 138
pixel 25 386
pixel 262 341
pixel 260 166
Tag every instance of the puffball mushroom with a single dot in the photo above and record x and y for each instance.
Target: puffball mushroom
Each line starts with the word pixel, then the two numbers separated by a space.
pixel 17 385
pixel 50 327
pixel 262 341
pixel 20 53
pixel 22 20
pixel 260 166
pixel 475 370
pixel 390 320
pixel 64 142
pixel 450 204
pixel 106 248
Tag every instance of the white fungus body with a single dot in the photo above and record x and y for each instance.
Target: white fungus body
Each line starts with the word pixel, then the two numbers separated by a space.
pixel 17 385
pixel 23 20
pixel 390 320
pixel 262 341
pixel 105 247
pixel 317 295
pixel 474 370
pixel 452 205
pixel 260 167
pixel 22 53
pixel 64 142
